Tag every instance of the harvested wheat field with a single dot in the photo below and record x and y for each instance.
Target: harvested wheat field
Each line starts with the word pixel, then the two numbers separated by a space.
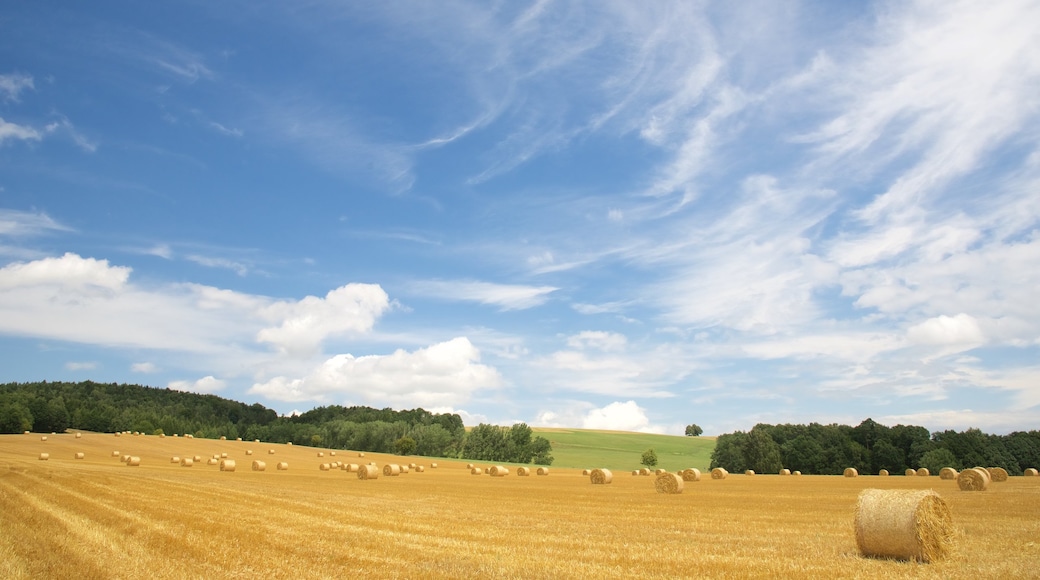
pixel 94 518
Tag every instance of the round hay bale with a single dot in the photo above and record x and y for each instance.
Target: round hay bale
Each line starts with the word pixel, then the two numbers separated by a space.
pixel 796 472
pixel 368 472
pixel 883 473
pixel 324 467
pixel 161 435
pixel 644 471
pixel 124 458
pixel 635 472
pixel 79 435
pixel 321 454
pixel 332 453
pixel 668 483
pixel 404 469
pixel 785 471
pixel 118 434
pixel 227 464
pixel 224 455
pixel 115 454
pixel 903 524
pixel 601 476
pixel 256 440
pixel 259 465
pixel 749 472
pixel 910 472
pixel 238 438
pixel 997 474
pixel 542 471
pixel 223 438
pixel 660 471
pixel 719 473
pixel 498 471
pixel 212 461
pixel 360 454
pixel 420 469
pixel 586 472
pixel 248 452
pixel 470 466
pixel 523 471
pixel 270 451
pixel 134 461
pixel 433 466
pixel 43 438
pixel 691 474
pixel 1031 472
pixel 947 473
pixel 923 472
pixel 851 472
pixel 352 467
pixel 282 466
pixel 476 471
pixel 175 459
pixel 973 480
pixel 289 444
pixel 45 456
pixel 412 466
pixel 26 433
pixel 187 461
pixel 391 469
pixel 80 455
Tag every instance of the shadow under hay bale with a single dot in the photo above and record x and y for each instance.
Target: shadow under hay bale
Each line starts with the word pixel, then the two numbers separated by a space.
pixel 668 483
pixel 904 525
pixel 601 476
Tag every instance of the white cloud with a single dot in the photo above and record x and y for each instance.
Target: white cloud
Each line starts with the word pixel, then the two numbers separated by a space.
pixel 606 341
pixel 618 416
pixel 205 385
pixel 10 130
pixel 13 84
pixel 24 223
pixel 442 374
pixel 505 296
pixel 144 367
pixel 69 271
pixel 236 267
pixel 304 324
pixel 961 329
pixel 81 366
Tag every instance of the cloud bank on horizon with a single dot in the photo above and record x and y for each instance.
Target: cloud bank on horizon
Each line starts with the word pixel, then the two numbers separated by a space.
pixel 593 215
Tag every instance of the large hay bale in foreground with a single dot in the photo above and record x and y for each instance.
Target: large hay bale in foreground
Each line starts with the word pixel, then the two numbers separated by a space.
pixel 282 466
pixel 883 473
pixel 1031 472
pixel 259 465
pixel 45 456
pixel 691 474
pixel 851 472
pixel 947 473
pixel 227 464
pixel 997 474
pixel 974 479
pixel 499 471
pixel 368 472
pixel 542 471
pixel 391 469
pixel 923 472
pixel 601 476
pixel 719 473
pixel 134 461
pixel 523 471
pixel 668 483
pixel 903 524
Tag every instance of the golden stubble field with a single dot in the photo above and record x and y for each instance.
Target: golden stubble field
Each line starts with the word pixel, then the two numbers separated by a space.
pixel 98 518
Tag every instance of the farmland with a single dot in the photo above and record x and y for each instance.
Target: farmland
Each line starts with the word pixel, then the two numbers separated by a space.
pixel 585 447
pixel 97 518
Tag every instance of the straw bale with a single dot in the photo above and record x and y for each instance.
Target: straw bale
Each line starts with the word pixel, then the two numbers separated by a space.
pixel 419 469
pixel 124 458
pixel 392 469
pixel 321 454
pixel 43 438
pixel 223 438
pixel 476 471
pixel 282 466
pixel 117 434
pixel 719 473
pixel 691 474
pixel 851 472
pixel 227 464
pixel 187 462
pixel 324 466
pixel 883 473
pixel 238 438
pixel 668 483
pixel 635 472
pixel 947 473
pixel 368 472
pixel 523 471
pixel 259 465
pixel 796 472
pixel 586 471
pixel 332 453
pixel 115 454
pixel 910 472
pixel 1031 472
pixel 404 468
pixel 212 461
pixel 749 472
pixel 499 471
pixel 45 456
pixel 175 459
pixel 601 476
pixel 197 458
pixel 412 466
pixel 270 451
pixel 80 455
pixel 997 474
pixel 433 466
pixel 974 479
pixel 289 444
pixel 660 471
pixel 923 472
pixel 352 467
pixel 26 433
pixel 542 471
pixel 903 524
pixel 248 452
pixel 134 461
pixel 78 435
pixel 224 455
pixel 644 471
pixel 785 471
pixel 256 440
pixel 360 454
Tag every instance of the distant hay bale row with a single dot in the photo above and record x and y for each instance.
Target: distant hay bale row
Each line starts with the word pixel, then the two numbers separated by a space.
pixel 476 471
pixel 997 474
pixel 749 472
pixel 910 472
pixel 923 472
pixel 668 483
pixel 227 464
pixel 851 472
pixel 785 471
pixel 947 473
pixel 324 467
pixel 691 474
pixel 1031 472
pixel 719 473
pixel 368 472
pixel 905 525
pixel 975 479
pixel 601 476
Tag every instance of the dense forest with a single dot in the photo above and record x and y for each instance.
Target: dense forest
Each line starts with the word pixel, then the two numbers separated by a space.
pixel 47 407
pixel 870 447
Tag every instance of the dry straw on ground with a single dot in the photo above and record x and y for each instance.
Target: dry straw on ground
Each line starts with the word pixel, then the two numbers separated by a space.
pixel 282 466
pixel 391 469
pixel 947 473
pixel 923 472
pixel 997 474
pixel 601 476
pixel 691 474
pixel 259 465
pixel 668 483
pixel 543 471
pixel 851 472
pixel 227 464
pixel 1030 472
pixel 368 472
pixel 719 473
pixel 975 479
pixel 883 473
pixel 903 524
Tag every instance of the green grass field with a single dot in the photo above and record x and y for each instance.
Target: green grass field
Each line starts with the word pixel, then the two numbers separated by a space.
pixel 582 448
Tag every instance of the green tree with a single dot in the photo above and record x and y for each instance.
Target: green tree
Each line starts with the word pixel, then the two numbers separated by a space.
pixel 404 446
pixel 693 430
pixel 936 459
pixel 541 451
pixel 802 453
pixel 761 452
pixel 729 452
pixel 887 456
pixel 649 458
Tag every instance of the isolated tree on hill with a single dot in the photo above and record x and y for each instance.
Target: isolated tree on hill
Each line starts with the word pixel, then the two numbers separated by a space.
pixel 649 458
pixel 693 430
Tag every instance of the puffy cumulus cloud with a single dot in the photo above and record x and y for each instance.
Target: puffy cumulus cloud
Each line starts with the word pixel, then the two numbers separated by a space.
pixel 207 384
pixel 68 271
pixel 618 416
pixel 304 324
pixel 961 329
pixel 442 374
pixel 597 340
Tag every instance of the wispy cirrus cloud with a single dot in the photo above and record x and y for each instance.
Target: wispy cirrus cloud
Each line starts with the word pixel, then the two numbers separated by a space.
pixel 505 296
pixel 11 85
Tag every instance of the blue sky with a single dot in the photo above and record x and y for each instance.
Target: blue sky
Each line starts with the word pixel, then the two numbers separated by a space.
pixel 605 214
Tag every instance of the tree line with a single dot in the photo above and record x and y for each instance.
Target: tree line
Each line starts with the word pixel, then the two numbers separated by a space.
pixel 47 407
pixel 870 447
